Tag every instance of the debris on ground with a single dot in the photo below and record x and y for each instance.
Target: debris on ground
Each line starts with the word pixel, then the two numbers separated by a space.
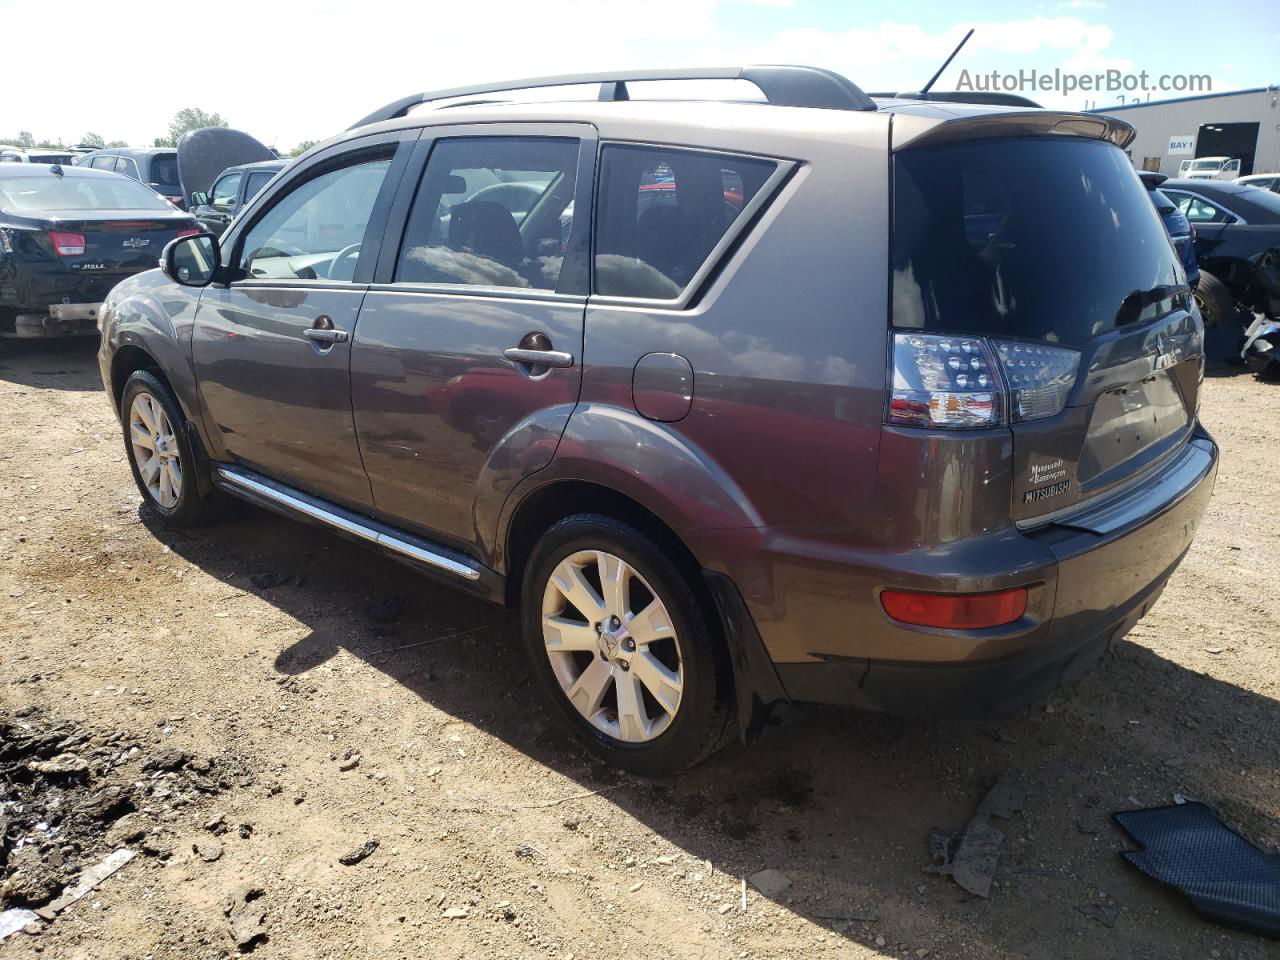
pixel 208 850
pixel 246 917
pixel 1105 913
pixel 970 857
pixel 770 883
pixel 12 921
pixel 88 882
pixel 365 850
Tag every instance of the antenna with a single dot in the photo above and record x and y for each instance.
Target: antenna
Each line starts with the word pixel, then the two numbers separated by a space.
pixel 947 62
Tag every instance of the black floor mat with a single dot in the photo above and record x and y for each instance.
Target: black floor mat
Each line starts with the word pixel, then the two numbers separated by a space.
pixel 1228 879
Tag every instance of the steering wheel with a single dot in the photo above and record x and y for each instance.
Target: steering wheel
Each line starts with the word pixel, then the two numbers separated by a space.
pixel 351 253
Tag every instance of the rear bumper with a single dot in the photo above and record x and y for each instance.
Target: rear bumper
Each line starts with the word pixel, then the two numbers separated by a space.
pixel 56 320
pixel 1092 576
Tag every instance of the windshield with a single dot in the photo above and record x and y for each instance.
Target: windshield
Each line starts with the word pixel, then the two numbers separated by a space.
pixel 77 193
pixel 1207 165
pixel 1033 238
pixel 164 168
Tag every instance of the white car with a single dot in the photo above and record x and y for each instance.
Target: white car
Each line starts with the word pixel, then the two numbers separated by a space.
pixel 1266 181
pixel 1210 168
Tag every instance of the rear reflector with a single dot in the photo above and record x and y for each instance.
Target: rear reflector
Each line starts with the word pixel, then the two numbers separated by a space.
pixel 67 244
pixel 955 611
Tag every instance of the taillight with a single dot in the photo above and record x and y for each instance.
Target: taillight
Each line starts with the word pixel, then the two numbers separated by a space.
pixel 955 611
pixel 965 383
pixel 67 244
pixel 189 232
pixel 1039 377
pixel 944 382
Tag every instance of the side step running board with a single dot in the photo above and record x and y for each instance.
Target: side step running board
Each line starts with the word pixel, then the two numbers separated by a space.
pixel 243 484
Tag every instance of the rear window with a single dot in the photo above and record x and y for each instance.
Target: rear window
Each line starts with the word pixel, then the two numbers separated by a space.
pixel 77 193
pixel 1037 239
pixel 164 168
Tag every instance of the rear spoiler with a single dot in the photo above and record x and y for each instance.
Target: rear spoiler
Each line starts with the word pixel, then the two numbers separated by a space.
pixel 980 98
pixel 1150 179
pixel 915 130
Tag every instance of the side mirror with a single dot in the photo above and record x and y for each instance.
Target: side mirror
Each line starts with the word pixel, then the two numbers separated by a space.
pixel 191 261
pixel 199 198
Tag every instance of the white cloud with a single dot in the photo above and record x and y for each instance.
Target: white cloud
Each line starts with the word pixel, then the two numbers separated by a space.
pixel 1082 5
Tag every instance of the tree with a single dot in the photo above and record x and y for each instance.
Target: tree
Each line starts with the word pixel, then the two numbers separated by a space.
pixel 25 139
pixel 186 120
pixel 303 147
pixel 118 143
pixel 93 140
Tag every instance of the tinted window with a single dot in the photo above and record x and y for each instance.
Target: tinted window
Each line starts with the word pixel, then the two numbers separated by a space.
pixel 256 182
pixel 77 193
pixel 164 168
pixel 126 166
pixel 225 190
pixel 492 211
pixel 1040 239
pixel 661 212
pixel 1200 211
pixel 316 230
pixel 103 163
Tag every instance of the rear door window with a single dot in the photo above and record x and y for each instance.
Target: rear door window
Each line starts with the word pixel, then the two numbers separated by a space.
pixel 127 166
pixel 256 182
pixel 1198 210
pixel 164 168
pixel 1038 239
pixel 493 212
pixel 661 213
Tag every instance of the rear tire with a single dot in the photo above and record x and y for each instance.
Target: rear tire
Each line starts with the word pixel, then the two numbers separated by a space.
pixel 161 453
pixel 618 640
pixel 1216 304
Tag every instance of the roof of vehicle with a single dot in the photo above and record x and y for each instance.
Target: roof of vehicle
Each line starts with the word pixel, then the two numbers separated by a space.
pixel 796 102
pixel 128 151
pixel 1256 176
pixel 45 170
pixel 1257 206
pixel 259 165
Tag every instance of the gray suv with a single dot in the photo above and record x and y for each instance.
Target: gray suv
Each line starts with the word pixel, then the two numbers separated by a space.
pixel 816 397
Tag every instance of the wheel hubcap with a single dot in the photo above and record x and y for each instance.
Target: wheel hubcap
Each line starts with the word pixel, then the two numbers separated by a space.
pixel 612 646
pixel 155 450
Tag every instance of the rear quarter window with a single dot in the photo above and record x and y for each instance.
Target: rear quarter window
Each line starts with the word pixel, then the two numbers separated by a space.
pixel 662 212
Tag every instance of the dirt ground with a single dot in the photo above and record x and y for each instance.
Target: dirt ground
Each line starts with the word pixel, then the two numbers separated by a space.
pixel 324 697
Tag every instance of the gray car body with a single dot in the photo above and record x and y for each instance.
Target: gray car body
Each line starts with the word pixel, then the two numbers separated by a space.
pixel 780 480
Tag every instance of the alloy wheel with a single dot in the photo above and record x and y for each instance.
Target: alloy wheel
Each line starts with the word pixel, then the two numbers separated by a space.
pixel 155 450
pixel 612 646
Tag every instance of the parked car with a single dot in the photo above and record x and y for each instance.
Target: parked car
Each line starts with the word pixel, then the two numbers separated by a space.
pixel 157 167
pixel 873 437
pixel 1266 181
pixel 1210 168
pixel 1179 228
pixel 231 192
pixel 67 235
pixel 1237 239
pixel 11 154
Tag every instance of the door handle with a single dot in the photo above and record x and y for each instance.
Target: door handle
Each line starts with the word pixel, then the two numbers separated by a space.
pixel 539 358
pixel 323 335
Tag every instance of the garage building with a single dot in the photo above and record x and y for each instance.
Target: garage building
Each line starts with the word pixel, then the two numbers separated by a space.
pixel 1244 124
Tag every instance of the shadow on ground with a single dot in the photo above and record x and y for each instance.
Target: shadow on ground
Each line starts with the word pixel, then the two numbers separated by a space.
pixel 59 364
pixel 842 803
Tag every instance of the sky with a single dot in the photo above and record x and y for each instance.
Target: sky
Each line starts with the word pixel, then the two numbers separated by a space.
pixel 288 72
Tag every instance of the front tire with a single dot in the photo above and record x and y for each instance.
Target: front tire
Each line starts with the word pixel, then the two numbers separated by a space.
pixel 160 452
pixel 621 644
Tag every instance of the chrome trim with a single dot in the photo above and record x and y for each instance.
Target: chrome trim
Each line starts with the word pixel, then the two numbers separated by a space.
pixel 539 358
pixel 365 533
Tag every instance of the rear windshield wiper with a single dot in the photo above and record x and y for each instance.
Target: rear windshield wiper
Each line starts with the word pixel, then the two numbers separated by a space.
pixel 1135 304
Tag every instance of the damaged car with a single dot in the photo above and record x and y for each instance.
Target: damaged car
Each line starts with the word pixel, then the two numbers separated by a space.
pixel 67 236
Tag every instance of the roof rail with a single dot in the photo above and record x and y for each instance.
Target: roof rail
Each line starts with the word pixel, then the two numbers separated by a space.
pixel 955 96
pixel 784 86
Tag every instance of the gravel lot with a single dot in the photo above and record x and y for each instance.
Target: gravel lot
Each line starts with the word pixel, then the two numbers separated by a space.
pixel 324 697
